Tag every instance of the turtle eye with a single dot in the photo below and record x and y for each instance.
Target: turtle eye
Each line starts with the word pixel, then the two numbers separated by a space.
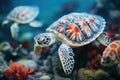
pixel 107 59
pixel 39 42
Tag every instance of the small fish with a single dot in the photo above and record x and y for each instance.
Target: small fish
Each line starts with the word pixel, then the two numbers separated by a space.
pixel 111 54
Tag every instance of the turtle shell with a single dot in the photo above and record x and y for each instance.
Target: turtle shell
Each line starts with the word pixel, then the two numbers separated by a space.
pixel 77 29
pixel 23 14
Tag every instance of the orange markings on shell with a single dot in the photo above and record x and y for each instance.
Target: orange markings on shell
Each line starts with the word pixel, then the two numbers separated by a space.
pixel 118 42
pixel 113 45
pixel 73 28
pixel 113 48
pixel 107 50
pixel 116 46
pixel 61 36
pixel 21 15
pixel 112 52
pixel 61 28
pixel 84 25
pixel 92 23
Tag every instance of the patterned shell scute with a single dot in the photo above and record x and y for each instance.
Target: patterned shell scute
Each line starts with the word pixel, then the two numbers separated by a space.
pixel 23 14
pixel 113 48
pixel 78 29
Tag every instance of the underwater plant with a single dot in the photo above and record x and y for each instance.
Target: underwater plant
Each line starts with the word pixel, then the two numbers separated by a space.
pixel 86 74
pixel 101 75
pixel 18 71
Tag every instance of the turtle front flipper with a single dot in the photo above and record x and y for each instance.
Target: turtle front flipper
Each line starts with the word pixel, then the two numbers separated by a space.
pixel 14 29
pixel 37 50
pixel 104 39
pixel 35 24
pixel 66 57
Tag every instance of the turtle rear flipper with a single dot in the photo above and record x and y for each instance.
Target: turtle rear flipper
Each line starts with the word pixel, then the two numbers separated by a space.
pixel 35 24
pixel 66 57
pixel 104 39
pixel 14 29
pixel 5 22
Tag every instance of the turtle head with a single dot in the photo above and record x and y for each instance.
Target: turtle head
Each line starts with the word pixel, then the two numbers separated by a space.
pixel 109 60
pixel 44 39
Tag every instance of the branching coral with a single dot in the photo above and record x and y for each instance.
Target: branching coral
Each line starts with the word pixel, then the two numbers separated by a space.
pixel 18 71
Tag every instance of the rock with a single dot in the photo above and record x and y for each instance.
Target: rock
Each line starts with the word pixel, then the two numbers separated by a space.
pixel 3 66
pixel 87 74
pixel 58 77
pixel 45 77
pixel 28 63
pixel 48 64
pixel 6 47
pixel 118 69
pixel 57 66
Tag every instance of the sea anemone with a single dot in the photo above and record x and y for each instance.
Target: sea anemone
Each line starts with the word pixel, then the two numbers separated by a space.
pixel 19 72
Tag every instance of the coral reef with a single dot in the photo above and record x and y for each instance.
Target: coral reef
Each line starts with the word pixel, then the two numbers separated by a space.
pixel 95 63
pixel 18 61
pixel 101 75
pixel 3 65
pixel 45 77
pixel 86 74
pixel 28 63
pixel 19 72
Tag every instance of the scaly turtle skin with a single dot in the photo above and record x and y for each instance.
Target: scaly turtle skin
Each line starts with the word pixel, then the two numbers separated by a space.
pixel 111 54
pixel 73 30
pixel 22 15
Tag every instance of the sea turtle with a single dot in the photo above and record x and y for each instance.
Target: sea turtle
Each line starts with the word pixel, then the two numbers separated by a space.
pixel 72 30
pixel 111 54
pixel 22 15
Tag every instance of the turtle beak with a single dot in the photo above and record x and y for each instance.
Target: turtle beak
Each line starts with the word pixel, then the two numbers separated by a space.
pixel 37 49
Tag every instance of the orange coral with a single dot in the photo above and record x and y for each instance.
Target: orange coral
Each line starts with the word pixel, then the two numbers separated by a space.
pixel 18 71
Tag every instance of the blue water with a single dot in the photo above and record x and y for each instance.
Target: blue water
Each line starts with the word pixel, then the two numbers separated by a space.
pixel 49 7
pixel 50 11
